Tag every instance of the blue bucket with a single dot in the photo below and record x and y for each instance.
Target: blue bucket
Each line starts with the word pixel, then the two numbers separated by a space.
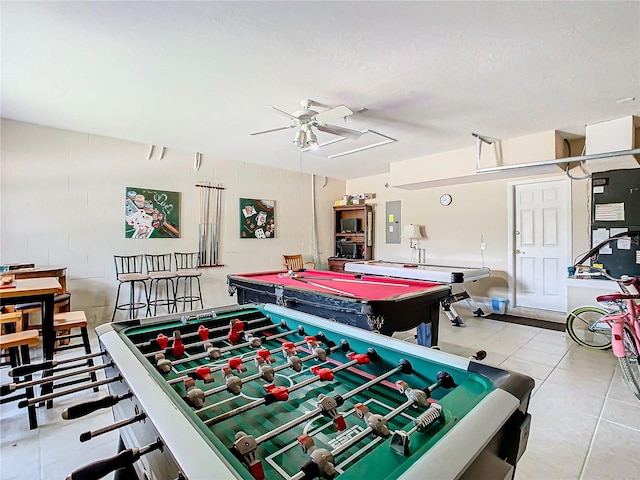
pixel 499 305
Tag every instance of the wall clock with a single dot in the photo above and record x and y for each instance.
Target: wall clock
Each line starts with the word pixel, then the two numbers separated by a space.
pixel 446 199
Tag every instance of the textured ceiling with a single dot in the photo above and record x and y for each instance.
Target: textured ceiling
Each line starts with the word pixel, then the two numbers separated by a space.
pixel 193 75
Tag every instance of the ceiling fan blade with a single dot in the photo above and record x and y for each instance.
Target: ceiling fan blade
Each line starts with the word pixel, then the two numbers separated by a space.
pixel 343 132
pixel 272 130
pixel 334 113
pixel 281 112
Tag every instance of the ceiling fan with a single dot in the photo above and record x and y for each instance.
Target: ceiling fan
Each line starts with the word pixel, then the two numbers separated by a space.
pixel 307 118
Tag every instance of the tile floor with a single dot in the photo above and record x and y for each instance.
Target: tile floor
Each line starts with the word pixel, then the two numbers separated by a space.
pixel 585 425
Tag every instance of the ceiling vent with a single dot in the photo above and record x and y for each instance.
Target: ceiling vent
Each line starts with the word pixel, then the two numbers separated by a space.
pixel 613 136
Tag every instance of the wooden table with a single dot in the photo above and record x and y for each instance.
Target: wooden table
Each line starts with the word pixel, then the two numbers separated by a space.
pixel 42 272
pixel 40 290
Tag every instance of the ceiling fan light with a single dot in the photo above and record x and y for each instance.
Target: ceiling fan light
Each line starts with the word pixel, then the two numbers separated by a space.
pixel 312 141
pixel 299 138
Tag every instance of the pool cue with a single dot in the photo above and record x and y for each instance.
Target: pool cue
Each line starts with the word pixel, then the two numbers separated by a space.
pixel 341 292
pixel 292 388
pixel 349 280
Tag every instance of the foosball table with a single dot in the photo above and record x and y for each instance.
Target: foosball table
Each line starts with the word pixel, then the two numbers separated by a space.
pixel 263 391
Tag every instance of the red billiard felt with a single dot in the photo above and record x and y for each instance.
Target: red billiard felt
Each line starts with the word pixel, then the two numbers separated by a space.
pixel 382 287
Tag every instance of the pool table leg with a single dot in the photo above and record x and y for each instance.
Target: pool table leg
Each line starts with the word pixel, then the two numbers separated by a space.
pixel 424 335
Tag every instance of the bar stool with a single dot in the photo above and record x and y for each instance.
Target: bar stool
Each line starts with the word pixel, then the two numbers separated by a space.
pixel 61 303
pixel 159 270
pixel 17 343
pixel 187 271
pixel 129 270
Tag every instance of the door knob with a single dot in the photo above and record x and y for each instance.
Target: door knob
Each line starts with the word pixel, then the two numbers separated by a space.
pixel 519 251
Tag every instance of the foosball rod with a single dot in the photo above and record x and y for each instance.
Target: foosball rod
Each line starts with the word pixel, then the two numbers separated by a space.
pixel 223 364
pixel 196 334
pixel 361 435
pixel 262 401
pixel 255 376
pixel 227 348
pixel 86 436
pixel 212 340
pixel 8 388
pixel 24 370
pixel 312 413
pixel 105 466
pixel 51 396
pixel 85 408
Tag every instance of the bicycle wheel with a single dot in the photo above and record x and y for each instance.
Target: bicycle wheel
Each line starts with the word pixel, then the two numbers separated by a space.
pixel 629 363
pixel 586 328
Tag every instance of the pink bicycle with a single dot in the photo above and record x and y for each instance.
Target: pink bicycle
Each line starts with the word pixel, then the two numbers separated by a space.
pixel 624 326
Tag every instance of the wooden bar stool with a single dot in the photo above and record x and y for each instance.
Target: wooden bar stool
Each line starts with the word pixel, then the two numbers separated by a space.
pixel 17 342
pixel 65 323
pixel 187 270
pixel 159 269
pixel 129 270
pixel 61 303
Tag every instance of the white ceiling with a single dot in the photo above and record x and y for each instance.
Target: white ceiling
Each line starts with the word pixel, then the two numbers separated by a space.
pixel 193 75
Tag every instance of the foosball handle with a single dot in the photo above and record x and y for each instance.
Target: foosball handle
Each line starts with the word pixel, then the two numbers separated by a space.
pixel 103 467
pixel 85 408
pixel 24 370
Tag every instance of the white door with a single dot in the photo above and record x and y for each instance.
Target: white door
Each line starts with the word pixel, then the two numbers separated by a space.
pixel 541 241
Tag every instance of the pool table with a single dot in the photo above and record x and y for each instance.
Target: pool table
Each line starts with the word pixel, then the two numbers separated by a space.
pixel 369 302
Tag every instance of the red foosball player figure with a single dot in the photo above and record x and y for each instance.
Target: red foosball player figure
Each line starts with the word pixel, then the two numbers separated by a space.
pixel 204 373
pixel 178 347
pixel 195 395
pixel 163 364
pixel 162 341
pixel 329 406
pixel 203 332
pixel 321 462
pixel 376 422
pixel 245 447
pixel 236 327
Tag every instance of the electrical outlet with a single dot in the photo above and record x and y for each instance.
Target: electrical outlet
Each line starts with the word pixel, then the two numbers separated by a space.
pixel 483 246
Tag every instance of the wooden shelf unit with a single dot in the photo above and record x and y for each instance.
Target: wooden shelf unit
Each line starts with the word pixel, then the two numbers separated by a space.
pixel 363 237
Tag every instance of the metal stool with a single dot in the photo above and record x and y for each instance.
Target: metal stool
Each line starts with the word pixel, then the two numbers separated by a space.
pixel 129 270
pixel 187 271
pixel 159 269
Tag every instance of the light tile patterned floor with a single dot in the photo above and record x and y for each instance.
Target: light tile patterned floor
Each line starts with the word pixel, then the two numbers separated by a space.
pixel 585 425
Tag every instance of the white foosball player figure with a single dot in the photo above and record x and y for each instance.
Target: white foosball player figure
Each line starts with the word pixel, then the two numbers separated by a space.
pixel 321 461
pixel 376 422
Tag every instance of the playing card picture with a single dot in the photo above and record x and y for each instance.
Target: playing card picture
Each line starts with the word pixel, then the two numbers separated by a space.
pixel 257 218
pixel 151 213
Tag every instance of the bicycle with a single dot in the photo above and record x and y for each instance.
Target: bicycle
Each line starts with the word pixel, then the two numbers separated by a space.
pixel 622 326
pixel 586 325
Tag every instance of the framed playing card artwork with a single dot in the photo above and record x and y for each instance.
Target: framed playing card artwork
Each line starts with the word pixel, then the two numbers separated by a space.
pixel 151 213
pixel 257 218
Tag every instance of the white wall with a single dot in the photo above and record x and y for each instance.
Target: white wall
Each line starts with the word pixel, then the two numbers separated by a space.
pixel 478 211
pixel 61 203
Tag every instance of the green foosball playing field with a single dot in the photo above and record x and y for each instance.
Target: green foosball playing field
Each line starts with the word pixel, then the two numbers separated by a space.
pixel 268 392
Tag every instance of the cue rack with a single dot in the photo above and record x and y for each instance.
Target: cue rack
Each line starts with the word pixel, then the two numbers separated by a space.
pixel 209 230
